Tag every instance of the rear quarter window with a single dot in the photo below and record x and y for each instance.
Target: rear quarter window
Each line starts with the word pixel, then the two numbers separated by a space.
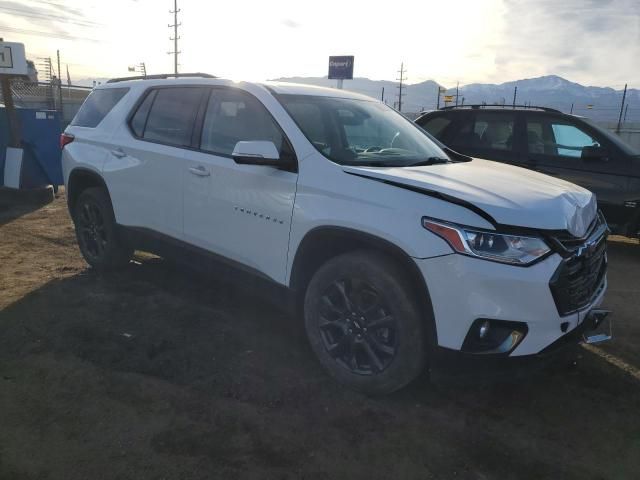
pixel 97 105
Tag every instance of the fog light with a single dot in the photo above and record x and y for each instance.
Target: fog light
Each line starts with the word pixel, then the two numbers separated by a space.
pixel 494 336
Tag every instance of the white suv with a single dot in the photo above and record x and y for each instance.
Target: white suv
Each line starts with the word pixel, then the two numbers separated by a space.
pixel 396 250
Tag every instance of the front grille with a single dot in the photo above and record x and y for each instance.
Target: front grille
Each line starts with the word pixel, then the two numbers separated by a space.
pixel 578 278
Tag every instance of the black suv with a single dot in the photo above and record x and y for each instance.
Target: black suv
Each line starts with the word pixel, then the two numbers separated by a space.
pixel 552 142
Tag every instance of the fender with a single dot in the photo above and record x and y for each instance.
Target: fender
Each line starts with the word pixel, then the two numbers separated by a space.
pixel 322 243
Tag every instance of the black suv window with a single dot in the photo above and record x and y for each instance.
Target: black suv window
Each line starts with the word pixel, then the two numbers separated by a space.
pixel 486 131
pixel 233 116
pixel 97 105
pixel 556 137
pixel 436 125
pixel 171 116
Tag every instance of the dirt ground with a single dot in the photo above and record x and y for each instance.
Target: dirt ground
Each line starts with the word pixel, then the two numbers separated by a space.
pixel 158 373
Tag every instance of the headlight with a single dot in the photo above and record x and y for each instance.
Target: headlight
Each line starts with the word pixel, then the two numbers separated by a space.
pixel 512 249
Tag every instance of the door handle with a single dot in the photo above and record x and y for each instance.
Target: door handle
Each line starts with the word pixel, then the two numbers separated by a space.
pixel 200 171
pixel 118 153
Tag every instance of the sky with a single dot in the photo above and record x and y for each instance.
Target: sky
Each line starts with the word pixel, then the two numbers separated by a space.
pixel 593 42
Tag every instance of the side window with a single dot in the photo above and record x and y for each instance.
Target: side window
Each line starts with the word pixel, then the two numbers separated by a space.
pixel 233 116
pixel 570 140
pixel 536 135
pixel 549 137
pixel 97 105
pixel 493 131
pixel 172 115
pixel 436 125
pixel 462 137
pixel 139 120
pixel 486 131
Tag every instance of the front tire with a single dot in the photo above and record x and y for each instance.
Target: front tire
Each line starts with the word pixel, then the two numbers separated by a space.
pixel 96 231
pixel 364 324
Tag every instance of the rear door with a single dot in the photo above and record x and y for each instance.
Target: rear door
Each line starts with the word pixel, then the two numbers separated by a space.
pixel 489 135
pixel 144 170
pixel 240 212
pixel 554 146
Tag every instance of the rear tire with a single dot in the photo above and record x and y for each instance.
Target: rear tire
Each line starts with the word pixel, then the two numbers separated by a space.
pixel 364 323
pixel 96 231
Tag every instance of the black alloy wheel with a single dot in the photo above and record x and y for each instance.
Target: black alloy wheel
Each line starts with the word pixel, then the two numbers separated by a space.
pixel 91 229
pixel 96 232
pixel 364 322
pixel 357 328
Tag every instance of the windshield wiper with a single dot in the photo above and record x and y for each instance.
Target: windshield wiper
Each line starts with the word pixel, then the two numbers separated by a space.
pixel 429 161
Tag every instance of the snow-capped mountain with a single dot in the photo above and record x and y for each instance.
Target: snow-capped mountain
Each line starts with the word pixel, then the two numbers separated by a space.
pixel 599 103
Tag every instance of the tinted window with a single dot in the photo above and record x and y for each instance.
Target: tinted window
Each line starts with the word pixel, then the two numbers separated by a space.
pixel 97 105
pixel 486 130
pixel 139 120
pixel 172 115
pixel 435 126
pixel 549 137
pixel 233 116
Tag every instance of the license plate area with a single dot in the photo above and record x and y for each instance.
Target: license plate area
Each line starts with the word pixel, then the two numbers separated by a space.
pixel 598 327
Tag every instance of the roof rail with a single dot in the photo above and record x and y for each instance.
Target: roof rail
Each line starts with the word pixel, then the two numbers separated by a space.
pixel 161 76
pixel 506 106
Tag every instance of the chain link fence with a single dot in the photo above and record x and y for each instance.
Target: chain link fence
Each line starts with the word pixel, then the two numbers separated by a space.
pixel 49 96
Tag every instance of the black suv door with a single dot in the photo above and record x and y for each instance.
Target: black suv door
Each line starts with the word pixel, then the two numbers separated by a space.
pixel 559 145
pixel 490 135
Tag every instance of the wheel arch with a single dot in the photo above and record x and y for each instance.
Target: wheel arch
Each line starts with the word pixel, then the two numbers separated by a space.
pixel 79 180
pixel 323 243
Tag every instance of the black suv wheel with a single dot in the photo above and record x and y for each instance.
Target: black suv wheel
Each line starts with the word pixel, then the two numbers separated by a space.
pixel 363 323
pixel 96 231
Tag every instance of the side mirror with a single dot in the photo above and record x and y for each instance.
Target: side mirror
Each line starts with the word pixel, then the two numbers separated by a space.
pixel 594 153
pixel 256 152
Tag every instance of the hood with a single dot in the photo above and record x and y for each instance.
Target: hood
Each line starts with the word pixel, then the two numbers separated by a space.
pixel 509 195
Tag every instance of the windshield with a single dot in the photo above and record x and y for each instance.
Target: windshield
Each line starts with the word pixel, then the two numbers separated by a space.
pixel 625 147
pixel 361 132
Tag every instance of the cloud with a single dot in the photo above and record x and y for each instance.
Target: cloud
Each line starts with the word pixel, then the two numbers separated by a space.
pixel 591 41
pixel 287 22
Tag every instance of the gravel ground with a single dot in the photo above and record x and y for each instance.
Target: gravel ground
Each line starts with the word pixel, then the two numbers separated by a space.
pixel 158 373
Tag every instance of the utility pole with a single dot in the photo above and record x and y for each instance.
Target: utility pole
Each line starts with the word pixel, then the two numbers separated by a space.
pixel 382 97
pixel 440 90
pixel 624 120
pixel 515 94
pixel 624 97
pixel 59 83
pixel 401 80
pixel 175 37
pixel 571 112
pixel 457 92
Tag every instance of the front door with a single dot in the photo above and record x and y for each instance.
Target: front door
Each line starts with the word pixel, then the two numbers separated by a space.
pixel 241 212
pixel 554 146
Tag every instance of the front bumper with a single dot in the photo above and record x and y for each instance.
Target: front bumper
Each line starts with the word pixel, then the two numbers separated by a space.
pixel 448 365
pixel 463 289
